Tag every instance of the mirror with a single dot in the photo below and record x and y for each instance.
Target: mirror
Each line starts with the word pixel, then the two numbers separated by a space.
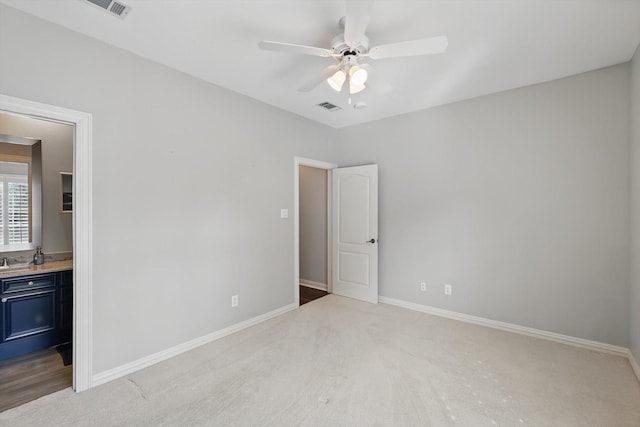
pixel 20 193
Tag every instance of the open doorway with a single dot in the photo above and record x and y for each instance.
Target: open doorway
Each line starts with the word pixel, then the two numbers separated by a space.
pixel 36 285
pixel 313 233
pixel 312 186
pixel 81 223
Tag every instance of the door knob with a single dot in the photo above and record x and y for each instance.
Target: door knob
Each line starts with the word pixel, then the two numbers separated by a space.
pixel 4 300
pixel 371 241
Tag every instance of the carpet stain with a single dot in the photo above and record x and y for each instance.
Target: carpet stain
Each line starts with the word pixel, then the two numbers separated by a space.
pixel 138 389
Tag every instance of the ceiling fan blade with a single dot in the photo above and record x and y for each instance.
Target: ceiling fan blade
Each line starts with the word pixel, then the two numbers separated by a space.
pixel 356 20
pixel 417 47
pixel 316 80
pixel 294 48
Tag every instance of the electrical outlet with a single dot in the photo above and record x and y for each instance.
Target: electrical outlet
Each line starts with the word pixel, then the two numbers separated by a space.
pixel 448 289
pixel 423 286
pixel 234 301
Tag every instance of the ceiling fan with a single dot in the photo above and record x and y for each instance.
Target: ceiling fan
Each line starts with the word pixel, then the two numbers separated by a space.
pixel 351 46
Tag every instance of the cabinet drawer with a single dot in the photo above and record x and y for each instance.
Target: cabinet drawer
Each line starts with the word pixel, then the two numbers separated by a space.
pixel 22 283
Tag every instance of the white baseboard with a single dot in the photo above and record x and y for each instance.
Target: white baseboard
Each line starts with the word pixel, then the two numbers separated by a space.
pixel 509 327
pixel 634 365
pixel 136 365
pixel 313 285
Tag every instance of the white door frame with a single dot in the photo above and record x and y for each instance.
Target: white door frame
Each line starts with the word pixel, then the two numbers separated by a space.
pixel 82 227
pixel 297 162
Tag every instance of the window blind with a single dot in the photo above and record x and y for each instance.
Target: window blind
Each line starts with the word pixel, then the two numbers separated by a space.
pixel 14 220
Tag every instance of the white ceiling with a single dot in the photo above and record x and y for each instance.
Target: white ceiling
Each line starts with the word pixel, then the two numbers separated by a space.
pixel 493 45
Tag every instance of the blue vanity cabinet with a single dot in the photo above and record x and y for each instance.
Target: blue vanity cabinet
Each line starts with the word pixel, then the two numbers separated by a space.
pixel 35 312
pixel 65 287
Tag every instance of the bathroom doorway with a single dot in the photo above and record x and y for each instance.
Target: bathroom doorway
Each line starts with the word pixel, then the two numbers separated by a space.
pixel 37 297
pixel 82 225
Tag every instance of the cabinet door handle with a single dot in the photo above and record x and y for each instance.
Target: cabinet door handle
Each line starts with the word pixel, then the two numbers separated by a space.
pixel 30 282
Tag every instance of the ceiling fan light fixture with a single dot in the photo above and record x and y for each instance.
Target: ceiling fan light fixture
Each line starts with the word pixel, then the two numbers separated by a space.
pixel 358 75
pixel 355 88
pixel 337 80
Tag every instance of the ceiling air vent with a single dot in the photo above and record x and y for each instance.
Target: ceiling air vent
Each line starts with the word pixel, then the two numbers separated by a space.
pixel 329 106
pixel 113 7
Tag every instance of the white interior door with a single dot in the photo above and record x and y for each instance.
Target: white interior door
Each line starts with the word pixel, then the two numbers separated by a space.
pixel 355 232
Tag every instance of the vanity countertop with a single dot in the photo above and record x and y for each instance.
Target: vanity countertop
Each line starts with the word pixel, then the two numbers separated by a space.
pixel 47 267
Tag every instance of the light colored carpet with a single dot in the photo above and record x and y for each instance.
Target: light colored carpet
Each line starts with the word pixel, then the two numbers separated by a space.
pixel 341 362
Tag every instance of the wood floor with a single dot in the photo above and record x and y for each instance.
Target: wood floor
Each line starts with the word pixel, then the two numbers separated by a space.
pixel 29 377
pixel 309 294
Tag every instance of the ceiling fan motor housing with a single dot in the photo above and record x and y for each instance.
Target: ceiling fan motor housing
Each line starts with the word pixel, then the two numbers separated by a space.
pixel 341 48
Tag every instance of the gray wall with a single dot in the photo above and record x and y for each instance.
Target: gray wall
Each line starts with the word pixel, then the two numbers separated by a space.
pixel 313 224
pixel 188 183
pixel 57 156
pixel 520 200
pixel 634 299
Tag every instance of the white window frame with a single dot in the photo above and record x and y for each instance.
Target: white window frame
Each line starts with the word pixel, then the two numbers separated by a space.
pixel 11 158
pixel 5 180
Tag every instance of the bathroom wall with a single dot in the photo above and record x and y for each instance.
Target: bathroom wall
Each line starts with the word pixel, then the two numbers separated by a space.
pixel 57 156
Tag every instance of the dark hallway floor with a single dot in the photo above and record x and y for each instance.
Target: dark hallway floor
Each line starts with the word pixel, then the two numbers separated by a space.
pixel 309 294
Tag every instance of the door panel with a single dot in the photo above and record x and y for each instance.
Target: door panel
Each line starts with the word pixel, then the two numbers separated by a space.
pixel 355 268
pixel 28 314
pixel 354 209
pixel 355 223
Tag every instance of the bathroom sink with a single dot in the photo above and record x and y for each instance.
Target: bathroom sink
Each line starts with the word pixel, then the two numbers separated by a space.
pixel 15 267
